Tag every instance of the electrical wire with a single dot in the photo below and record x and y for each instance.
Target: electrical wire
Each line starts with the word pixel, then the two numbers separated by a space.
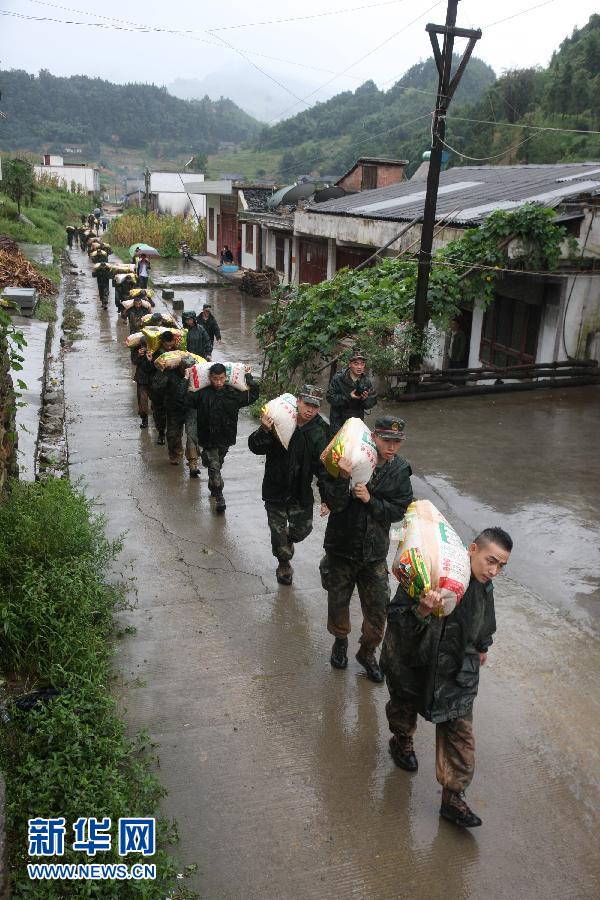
pixel 319 159
pixel 238 25
pixel 486 158
pixel 517 14
pixel 356 62
pixel 518 125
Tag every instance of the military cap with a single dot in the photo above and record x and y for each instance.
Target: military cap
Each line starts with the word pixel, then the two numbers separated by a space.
pixel 311 394
pixel 207 306
pixel 188 314
pixel 357 354
pixel 390 428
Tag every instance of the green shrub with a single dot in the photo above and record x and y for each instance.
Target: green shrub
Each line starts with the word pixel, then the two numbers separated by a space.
pixel 68 756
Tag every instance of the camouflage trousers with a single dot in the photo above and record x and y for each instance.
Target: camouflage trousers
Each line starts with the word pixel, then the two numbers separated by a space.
pixel 159 414
pixel 454 741
pixel 339 577
pixel 213 458
pixel 288 525
pixel 103 292
pixel 142 399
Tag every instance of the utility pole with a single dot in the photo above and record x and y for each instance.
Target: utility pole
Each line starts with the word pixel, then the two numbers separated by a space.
pixel 447 85
pixel 147 188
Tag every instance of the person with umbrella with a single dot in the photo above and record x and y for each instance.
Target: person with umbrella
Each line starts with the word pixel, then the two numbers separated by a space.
pixel 143 270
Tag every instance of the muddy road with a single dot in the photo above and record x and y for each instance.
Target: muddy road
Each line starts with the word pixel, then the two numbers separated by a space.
pixel 276 765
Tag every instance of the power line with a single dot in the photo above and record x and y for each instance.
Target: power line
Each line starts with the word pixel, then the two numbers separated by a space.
pixel 488 158
pixel 319 159
pixel 356 62
pixel 518 125
pixel 238 25
pixel 517 14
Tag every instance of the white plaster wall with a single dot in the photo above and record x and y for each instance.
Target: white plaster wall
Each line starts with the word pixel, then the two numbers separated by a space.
pixel 331 258
pixel 582 314
pixel 476 327
pixel 367 232
pixel 249 259
pixel 88 178
pixel 179 204
pixel 295 259
pixel 214 201
pixel 547 335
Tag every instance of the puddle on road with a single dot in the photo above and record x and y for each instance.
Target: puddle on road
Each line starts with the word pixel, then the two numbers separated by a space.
pixel 518 460
pixel 37 253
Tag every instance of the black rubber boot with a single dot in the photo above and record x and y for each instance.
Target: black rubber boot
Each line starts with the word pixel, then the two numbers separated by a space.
pixel 284 573
pixel 366 657
pixel 339 653
pixel 402 751
pixel 144 421
pixel 455 809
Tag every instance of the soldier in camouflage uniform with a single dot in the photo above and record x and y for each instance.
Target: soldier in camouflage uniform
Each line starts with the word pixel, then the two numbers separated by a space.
pixel 432 667
pixel 287 485
pixel 357 540
pixel 102 276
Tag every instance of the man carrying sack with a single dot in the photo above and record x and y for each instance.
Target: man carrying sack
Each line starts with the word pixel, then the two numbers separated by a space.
pixel 431 663
pixel 357 541
pixel 287 484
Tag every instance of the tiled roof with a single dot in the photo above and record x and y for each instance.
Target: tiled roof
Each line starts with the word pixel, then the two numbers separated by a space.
pixel 467 194
pixel 256 198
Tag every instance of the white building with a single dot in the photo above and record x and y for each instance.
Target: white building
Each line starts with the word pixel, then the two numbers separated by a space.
pixel 87 178
pixel 171 192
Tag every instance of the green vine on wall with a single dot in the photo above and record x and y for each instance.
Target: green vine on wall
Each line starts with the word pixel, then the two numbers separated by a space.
pixel 374 306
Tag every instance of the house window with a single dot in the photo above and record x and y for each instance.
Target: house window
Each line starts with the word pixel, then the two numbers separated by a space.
pixel 279 253
pixel 211 223
pixel 249 238
pixel 369 178
pixel 510 332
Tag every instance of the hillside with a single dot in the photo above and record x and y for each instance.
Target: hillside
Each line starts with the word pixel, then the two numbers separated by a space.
pixel 562 96
pixel 45 112
pixel 369 121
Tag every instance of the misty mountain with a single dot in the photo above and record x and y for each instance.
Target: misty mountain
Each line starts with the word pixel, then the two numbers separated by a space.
pixel 248 89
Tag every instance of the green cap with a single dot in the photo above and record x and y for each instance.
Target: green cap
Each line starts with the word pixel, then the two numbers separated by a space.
pixel 390 428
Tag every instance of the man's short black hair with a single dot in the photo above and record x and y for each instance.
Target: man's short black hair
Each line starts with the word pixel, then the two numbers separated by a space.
pixel 167 336
pixel 495 535
pixel 217 369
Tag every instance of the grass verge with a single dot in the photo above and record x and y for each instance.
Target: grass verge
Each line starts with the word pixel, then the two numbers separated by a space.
pixel 67 756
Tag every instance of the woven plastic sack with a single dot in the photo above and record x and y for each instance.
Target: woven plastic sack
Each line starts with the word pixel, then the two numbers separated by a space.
pixel 147 291
pixel 283 410
pixel 431 556
pixel 135 339
pixel 165 318
pixel 235 374
pixel 173 358
pixel 355 442
pixel 127 304
pixel 152 335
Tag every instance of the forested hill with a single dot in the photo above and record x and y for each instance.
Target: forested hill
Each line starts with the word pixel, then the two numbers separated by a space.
pixel 369 121
pixel 46 110
pixel 562 96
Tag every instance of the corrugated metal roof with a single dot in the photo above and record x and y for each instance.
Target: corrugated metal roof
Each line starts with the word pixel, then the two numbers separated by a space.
pixel 469 193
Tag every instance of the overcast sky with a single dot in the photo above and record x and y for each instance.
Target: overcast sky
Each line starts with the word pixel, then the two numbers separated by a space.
pixel 326 48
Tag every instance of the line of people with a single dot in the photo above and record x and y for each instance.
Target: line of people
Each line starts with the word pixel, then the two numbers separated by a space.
pixel 430 663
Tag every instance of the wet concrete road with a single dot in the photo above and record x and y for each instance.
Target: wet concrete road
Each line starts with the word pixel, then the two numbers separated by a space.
pixel 277 766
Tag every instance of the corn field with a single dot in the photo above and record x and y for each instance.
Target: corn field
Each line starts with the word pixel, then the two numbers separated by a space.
pixel 164 232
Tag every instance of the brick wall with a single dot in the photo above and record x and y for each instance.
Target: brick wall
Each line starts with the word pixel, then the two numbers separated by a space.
pixel 386 175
